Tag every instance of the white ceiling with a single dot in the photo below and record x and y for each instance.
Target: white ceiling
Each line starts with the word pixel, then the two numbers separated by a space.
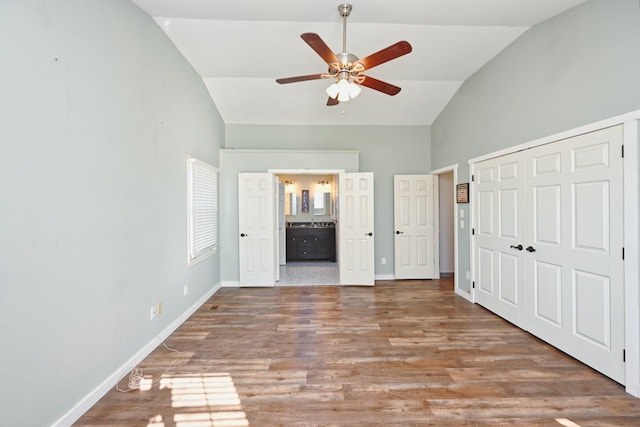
pixel 240 47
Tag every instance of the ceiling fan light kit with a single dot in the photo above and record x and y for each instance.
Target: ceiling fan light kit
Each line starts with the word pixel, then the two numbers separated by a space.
pixel 346 69
pixel 343 90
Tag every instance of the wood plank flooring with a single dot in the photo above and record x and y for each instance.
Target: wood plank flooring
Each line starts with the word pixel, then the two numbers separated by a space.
pixel 402 353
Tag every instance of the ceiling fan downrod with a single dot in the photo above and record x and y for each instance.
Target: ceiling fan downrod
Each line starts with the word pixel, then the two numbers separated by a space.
pixel 345 10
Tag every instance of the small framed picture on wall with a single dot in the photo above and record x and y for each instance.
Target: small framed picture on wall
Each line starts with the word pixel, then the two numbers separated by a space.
pixel 305 201
pixel 462 193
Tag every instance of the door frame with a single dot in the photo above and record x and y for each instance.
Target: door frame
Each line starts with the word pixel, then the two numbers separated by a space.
pixel 456 282
pixel 335 172
pixel 630 122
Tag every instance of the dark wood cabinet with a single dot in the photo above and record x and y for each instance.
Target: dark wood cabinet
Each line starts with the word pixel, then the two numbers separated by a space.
pixel 311 243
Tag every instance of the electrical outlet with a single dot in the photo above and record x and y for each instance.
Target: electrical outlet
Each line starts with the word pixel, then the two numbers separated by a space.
pixel 185 290
pixel 159 308
pixel 383 260
pixel 154 312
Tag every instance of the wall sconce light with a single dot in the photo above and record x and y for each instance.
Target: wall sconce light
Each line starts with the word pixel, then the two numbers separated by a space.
pixel 323 186
pixel 289 186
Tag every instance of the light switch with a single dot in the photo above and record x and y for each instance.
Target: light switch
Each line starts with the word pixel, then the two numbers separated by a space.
pixel 461 213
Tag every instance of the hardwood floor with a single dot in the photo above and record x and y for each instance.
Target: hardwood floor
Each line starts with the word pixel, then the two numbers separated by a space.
pixel 403 353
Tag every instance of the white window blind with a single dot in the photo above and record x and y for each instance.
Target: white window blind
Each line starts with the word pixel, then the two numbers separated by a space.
pixel 203 209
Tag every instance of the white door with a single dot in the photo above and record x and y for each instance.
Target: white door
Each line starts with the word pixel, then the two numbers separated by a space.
pixel 256 229
pixel 282 226
pixel 356 239
pixel 575 286
pixel 499 236
pixel 276 227
pixel 415 225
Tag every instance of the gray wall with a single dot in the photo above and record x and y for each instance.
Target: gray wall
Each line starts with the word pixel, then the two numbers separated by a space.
pixel 385 151
pixel 577 68
pixel 99 112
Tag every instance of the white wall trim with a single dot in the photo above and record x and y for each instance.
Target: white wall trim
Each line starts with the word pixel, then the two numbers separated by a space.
pixel 306 171
pixel 384 277
pixel 631 243
pixel 230 284
pixel 284 151
pixel 110 382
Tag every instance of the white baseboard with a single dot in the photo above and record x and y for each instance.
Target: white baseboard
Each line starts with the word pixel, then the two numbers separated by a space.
pixel 385 277
pixel 464 295
pixel 231 284
pixel 110 382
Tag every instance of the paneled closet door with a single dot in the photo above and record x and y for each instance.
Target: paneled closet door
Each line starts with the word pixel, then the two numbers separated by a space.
pixel 499 236
pixel 574 237
pixel 415 236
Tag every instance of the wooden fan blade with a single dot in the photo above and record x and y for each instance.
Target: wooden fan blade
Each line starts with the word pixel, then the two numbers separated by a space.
pixel 387 54
pixel 320 47
pixel 300 78
pixel 332 101
pixel 379 85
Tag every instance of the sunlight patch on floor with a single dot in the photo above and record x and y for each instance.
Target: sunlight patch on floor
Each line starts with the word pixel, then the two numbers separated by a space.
pixel 566 423
pixel 212 398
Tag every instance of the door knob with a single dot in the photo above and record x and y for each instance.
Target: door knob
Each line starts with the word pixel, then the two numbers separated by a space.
pixel 531 249
pixel 243 235
pixel 399 232
pixel 519 247
pixel 369 234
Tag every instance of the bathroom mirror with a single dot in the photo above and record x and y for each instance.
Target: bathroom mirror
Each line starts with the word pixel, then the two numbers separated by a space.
pixel 321 203
pixel 290 204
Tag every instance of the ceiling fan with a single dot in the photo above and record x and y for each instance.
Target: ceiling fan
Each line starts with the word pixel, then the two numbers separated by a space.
pixel 346 69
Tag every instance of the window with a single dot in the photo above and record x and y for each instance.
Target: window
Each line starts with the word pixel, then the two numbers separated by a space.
pixel 202 182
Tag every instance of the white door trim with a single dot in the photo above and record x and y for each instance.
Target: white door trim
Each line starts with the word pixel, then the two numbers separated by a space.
pixel 631 274
pixel 454 168
pixel 631 211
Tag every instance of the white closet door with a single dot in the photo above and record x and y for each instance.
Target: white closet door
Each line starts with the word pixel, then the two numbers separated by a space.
pixel 415 246
pixel 356 240
pixel 575 286
pixel 499 236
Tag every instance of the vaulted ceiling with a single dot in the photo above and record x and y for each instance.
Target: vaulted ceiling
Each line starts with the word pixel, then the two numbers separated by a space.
pixel 240 47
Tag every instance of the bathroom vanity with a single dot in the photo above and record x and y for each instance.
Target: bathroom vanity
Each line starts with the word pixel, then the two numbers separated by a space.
pixel 307 241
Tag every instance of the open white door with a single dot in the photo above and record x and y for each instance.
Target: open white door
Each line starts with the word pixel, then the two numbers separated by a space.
pixel 355 219
pixel 415 220
pixel 282 227
pixel 256 229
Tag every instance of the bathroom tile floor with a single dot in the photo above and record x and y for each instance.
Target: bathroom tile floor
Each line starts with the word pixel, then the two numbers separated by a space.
pixel 300 273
